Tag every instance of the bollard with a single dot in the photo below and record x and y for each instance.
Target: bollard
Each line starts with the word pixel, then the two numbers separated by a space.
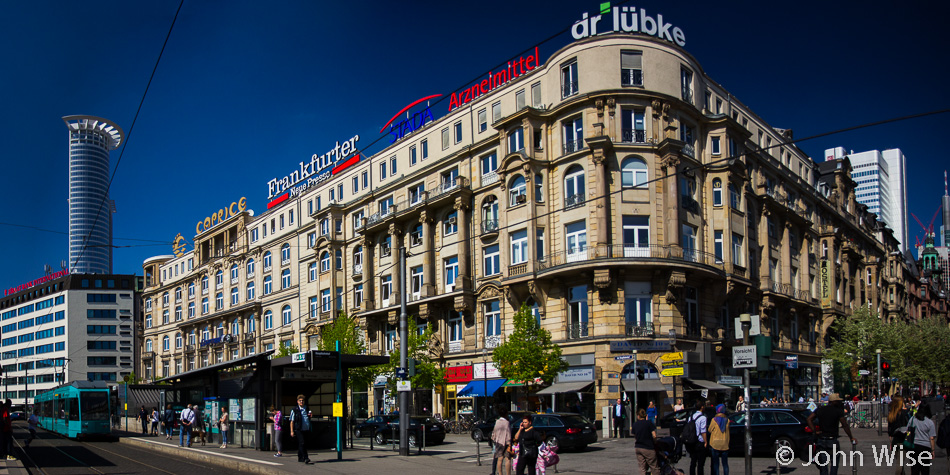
pixel 372 437
pixel 478 453
pixel 854 448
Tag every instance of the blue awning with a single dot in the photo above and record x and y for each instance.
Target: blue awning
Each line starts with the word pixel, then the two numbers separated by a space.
pixel 477 388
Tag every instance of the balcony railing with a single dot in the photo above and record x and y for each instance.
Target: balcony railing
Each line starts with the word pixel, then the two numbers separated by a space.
pixel 577 330
pixel 572 146
pixel 489 178
pixel 628 251
pixel 492 341
pixel 489 226
pixel 634 136
pixel 689 204
pixel 148 355
pixel 518 269
pixel 455 346
pixel 689 150
pixel 631 77
pixel 643 329
pixel 573 201
pixel 249 336
pixel 358 269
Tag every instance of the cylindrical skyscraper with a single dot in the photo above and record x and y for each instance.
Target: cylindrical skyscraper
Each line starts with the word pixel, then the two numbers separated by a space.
pixel 90 209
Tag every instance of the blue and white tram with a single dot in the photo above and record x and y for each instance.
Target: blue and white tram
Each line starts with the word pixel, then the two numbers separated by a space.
pixel 77 409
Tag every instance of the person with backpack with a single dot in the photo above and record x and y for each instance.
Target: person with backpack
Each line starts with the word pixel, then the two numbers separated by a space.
pixel 694 440
pixel 897 419
pixel 924 432
pixel 168 418
pixel 829 418
pixel 187 422
pixel 719 440
pixel 300 427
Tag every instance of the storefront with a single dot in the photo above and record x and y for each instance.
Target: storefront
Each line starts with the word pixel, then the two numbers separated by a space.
pixel 485 382
pixel 641 383
pixel 455 407
pixel 572 391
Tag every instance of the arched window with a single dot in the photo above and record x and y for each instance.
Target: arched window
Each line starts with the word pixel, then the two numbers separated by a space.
pixel 218 279
pixel 206 333
pixel 325 261
pixel 178 294
pixel 267 261
pixel 234 273
pixel 268 285
pixel 285 279
pixel 285 314
pixel 490 214
pixel 268 320
pixel 235 296
pixel 219 330
pixel 717 192
pixel 165 342
pixel 179 341
pixel 250 268
pixel 252 324
pixel 574 187
pixel 517 191
pixel 236 326
pixel 204 285
pixel 285 254
pixel 165 299
pixel 312 271
pixel 633 173
pixel 148 345
pixel 191 290
pixel 250 291
pixel 191 337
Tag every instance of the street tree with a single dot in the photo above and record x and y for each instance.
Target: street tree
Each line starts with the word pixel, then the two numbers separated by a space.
pixel 346 330
pixel 528 354
pixel 428 373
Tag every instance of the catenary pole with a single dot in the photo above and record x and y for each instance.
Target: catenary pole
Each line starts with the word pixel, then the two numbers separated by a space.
pixel 746 320
pixel 403 356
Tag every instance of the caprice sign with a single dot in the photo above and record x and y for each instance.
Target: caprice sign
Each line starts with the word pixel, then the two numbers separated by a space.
pixel 627 20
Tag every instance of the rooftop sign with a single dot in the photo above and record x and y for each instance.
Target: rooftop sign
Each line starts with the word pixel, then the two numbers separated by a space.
pixel 627 20
pixel 319 169
pixel 39 281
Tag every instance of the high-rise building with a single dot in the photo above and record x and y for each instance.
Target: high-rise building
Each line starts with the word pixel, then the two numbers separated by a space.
pixel 90 209
pixel 882 185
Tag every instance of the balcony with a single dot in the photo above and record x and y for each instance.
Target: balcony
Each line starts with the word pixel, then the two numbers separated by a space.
pixel 628 252
pixel 358 269
pixel 631 77
pixel 689 204
pixel 489 178
pixel 576 331
pixel 448 186
pixel 640 330
pixel 455 346
pixel 148 355
pixel 573 201
pixel 689 150
pixel 489 226
pixel 572 146
pixel 633 136
pixel 518 269
pixel 249 336
pixel 492 341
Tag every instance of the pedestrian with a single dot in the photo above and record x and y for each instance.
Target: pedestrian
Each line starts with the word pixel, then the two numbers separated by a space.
pixel 644 432
pixel 501 443
pixel 32 422
pixel 201 425
pixel 698 449
pixel 924 432
pixel 740 406
pixel 529 440
pixel 143 418
pixel 186 423
pixel 169 421
pixel 154 421
pixel 719 440
pixel 619 415
pixel 300 427
pixel 829 418
pixel 223 425
pixel 651 412
pixel 897 419
pixel 276 417
pixel 679 405
pixel 6 432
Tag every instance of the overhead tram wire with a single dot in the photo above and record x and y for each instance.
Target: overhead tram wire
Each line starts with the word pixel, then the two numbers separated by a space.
pixel 128 135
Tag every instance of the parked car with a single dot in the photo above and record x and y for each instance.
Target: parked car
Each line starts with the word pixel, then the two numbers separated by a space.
pixel 565 431
pixel 17 416
pixel 771 426
pixel 383 428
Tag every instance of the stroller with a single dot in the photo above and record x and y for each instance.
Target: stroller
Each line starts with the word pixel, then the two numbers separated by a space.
pixel 667 454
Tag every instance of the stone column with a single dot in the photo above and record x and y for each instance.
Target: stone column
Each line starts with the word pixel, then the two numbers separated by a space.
pixel 429 285
pixel 670 207
pixel 396 238
pixel 464 280
pixel 369 274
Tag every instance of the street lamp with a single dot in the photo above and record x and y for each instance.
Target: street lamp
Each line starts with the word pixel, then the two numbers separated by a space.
pixel 636 377
pixel 745 320
pixel 880 397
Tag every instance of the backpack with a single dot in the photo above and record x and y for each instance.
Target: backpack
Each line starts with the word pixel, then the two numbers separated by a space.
pixel 943 434
pixel 688 436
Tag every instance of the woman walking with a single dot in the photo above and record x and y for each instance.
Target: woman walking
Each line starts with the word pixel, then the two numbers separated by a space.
pixel 651 413
pixel 924 435
pixel 223 424
pixel 277 416
pixel 719 440
pixel 154 421
pixel 529 440
pixel 897 419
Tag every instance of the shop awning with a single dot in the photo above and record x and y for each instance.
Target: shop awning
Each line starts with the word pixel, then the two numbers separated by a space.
pixel 706 384
pixel 478 387
pixel 643 385
pixel 566 387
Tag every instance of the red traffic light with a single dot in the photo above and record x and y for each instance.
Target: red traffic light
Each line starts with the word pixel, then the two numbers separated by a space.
pixel 885 365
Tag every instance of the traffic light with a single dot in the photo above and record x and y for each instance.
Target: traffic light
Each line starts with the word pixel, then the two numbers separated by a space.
pixel 885 368
pixel 412 367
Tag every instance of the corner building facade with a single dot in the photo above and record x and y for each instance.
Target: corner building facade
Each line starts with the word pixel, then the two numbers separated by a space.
pixel 615 189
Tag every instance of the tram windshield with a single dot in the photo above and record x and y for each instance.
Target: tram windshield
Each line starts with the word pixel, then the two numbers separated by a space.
pixel 95 406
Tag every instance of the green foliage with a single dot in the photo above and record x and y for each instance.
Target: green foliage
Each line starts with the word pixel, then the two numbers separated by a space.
pixel 345 329
pixel 528 353
pixel 285 350
pixel 428 372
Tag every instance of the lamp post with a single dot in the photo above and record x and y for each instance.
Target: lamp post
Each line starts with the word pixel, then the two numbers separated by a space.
pixel 880 397
pixel 485 380
pixel 746 320
pixel 636 378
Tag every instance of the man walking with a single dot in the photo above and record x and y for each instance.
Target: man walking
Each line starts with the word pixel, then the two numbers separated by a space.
pixel 187 422
pixel 698 449
pixel 501 441
pixel 300 427
pixel 32 422
pixel 619 415
pixel 829 418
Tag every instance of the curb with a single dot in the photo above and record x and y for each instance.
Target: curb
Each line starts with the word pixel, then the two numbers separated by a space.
pixel 201 456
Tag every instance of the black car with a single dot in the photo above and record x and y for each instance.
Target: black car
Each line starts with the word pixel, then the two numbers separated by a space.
pixel 17 416
pixel 384 428
pixel 770 426
pixel 566 431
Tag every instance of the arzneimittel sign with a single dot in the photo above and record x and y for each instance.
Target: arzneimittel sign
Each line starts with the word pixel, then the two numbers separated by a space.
pixel 627 20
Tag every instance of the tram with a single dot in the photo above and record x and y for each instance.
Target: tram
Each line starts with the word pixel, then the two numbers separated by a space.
pixel 77 409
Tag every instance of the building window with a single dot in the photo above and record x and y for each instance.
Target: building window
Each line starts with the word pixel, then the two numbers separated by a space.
pixel 715 145
pixel 386 246
pixel 285 279
pixel 489 165
pixel 631 72
pixel 386 289
pixel 735 198
pixel 424 144
pixel 285 315
pixel 268 320
pixel 312 272
pixel 268 285
pixel 633 129
pixel 392 166
pixel 339 259
pixel 191 310
pixel 267 261
pixel 482 120
pixel 219 300
pixel 573 135
pixel 539 244
pixel 148 321
pixel 326 300
pixel 412 155
pixel 450 224
pixel 250 291
pixel 516 140
pixel 689 243
pixel 165 343
pixel 492 265
pixel 204 306
pixel 390 338
pixel 285 254
pixel 457 127
pixel 633 173
pixel 576 240
pixel 445 138
pixel 493 318
pixel 517 191
pixel 519 247
pixel 636 236
pixel 417 281
pixel 382 170
pixel 773 231
pixel 577 309
pixel 314 307
pixel 325 262
pixel 490 215
pixel 737 250
pixel 496 112
pixel 717 192
pixel 536 95
pixel 692 310
pixel 717 237
pixel 417 194
pixel 451 272
pixel 357 295
pixel 235 296
pixel 574 187
pixel 638 311
pixel 455 326
pixel 415 236
pixel 569 79
pixel 686 85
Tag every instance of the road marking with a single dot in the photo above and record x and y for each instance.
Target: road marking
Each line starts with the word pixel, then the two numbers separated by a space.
pixel 209 452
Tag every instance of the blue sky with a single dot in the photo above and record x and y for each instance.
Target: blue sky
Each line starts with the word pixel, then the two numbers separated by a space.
pixel 246 89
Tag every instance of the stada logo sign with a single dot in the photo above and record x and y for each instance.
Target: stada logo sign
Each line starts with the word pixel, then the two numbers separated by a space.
pixel 627 20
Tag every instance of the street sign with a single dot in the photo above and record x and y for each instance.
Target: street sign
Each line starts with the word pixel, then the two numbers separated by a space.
pixel 338 409
pixel 730 380
pixel 623 357
pixel 402 373
pixel 864 372
pixel 672 371
pixel 298 357
pixel 402 386
pixel 791 362
pixel 744 356
pixel 678 355
pixel 755 330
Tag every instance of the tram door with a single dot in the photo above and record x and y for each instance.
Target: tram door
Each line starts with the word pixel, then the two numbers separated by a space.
pixel 61 415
